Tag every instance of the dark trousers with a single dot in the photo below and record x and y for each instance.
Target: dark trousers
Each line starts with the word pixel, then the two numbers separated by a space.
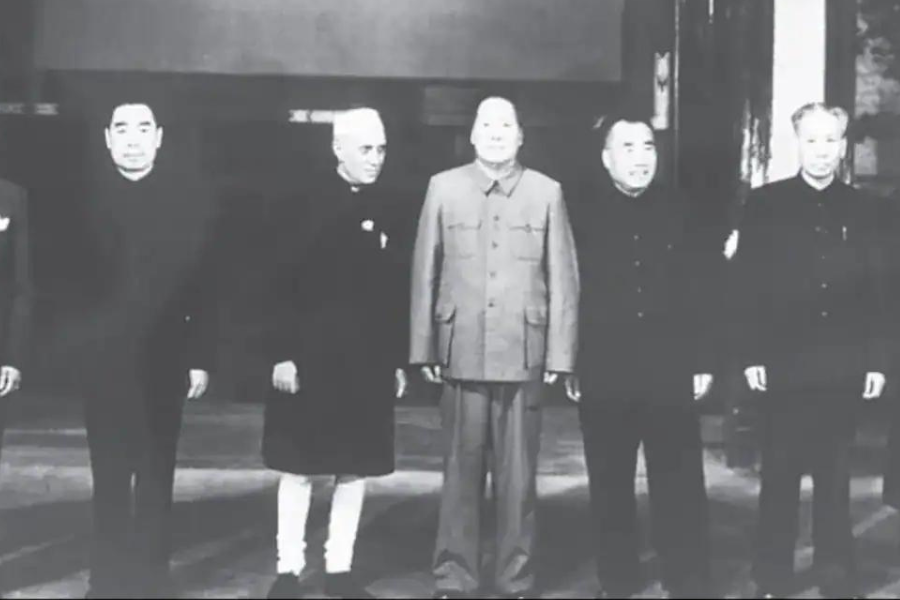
pixel 613 429
pixel 503 421
pixel 805 435
pixel 133 441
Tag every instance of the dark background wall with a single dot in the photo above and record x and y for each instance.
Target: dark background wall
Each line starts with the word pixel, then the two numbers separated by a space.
pixel 456 39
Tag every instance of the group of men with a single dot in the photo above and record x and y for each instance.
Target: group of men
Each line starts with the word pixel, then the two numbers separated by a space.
pixel 505 296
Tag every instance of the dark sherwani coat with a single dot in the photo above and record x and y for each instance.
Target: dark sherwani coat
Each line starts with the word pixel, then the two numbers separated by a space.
pixel 343 297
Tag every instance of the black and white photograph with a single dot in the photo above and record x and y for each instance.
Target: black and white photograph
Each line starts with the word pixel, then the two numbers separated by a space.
pixel 449 299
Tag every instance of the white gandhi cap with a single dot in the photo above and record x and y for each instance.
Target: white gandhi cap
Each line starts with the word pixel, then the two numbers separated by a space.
pixel 356 121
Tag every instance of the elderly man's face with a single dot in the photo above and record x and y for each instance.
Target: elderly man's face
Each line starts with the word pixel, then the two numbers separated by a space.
pixel 821 143
pixel 496 134
pixel 133 137
pixel 361 154
pixel 630 156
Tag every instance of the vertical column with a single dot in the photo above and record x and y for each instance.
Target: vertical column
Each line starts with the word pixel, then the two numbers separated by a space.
pixel 798 75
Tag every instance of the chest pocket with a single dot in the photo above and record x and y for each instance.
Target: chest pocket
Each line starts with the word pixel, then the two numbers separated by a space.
pixel 527 234
pixel 461 235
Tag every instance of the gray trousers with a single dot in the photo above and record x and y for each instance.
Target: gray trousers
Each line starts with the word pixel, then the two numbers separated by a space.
pixel 505 419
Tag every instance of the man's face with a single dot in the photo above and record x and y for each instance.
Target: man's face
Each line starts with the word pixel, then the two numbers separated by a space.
pixel 630 156
pixel 496 134
pixel 821 145
pixel 133 137
pixel 361 154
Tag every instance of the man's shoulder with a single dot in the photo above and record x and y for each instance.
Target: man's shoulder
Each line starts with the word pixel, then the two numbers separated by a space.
pixel 454 176
pixel 11 195
pixel 538 179
pixel 9 189
pixel 774 188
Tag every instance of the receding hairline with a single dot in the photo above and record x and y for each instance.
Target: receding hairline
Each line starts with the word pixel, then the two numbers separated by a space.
pixel 820 108
pixel 626 121
pixel 498 100
pixel 126 105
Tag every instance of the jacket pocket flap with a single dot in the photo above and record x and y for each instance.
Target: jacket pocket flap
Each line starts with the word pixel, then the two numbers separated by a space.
pixel 463 221
pixel 536 315
pixel 444 313
pixel 528 223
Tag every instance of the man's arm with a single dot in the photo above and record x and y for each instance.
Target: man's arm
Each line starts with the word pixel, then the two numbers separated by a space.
pixel 750 293
pixel 564 288
pixel 203 295
pixel 426 273
pixel 22 294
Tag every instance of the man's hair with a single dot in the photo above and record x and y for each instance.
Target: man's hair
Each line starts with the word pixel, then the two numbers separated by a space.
pixel 498 98
pixel 603 126
pixel 813 107
pixel 113 106
pixel 353 119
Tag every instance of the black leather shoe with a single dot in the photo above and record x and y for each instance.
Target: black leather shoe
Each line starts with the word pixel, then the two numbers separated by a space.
pixel 345 585
pixel 285 587
pixel 450 594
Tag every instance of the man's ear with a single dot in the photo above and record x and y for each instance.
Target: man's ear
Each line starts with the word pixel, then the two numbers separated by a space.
pixel 108 138
pixel 159 137
pixel 605 157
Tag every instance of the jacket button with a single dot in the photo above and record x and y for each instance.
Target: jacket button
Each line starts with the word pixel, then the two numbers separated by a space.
pixel 496 217
pixel 493 274
pixel 640 315
pixel 824 313
pixel 637 263
pixel 824 285
pixel 495 245
pixel 491 303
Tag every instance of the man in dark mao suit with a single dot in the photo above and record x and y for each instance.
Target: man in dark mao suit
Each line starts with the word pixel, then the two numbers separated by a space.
pixel 143 344
pixel 645 359
pixel 811 308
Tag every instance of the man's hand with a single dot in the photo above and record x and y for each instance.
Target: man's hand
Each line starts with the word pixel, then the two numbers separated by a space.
pixel 874 385
pixel 199 382
pixel 400 382
pixel 550 377
pixel 756 378
pixel 285 378
pixel 10 380
pixel 702 384
pixel 731 244
pixel 573 387
pixel 432 373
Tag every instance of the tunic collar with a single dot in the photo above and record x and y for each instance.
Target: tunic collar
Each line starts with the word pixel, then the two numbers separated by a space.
pixel 507 183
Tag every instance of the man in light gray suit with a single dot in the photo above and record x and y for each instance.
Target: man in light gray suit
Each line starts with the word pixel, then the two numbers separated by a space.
pixel 493 317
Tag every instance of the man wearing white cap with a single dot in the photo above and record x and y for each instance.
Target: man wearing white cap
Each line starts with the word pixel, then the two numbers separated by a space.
pixel 336 345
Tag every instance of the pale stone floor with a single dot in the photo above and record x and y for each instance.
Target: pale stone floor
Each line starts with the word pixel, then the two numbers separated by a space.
pixel 225 510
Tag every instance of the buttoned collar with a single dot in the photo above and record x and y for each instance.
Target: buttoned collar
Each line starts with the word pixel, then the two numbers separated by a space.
pixel 507 183
pixel 835 184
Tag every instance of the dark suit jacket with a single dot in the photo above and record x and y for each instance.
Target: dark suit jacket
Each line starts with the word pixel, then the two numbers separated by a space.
pixel 16 293
pixel 153 284
pixel 809 296
pixel 323 299
pixel 646 324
